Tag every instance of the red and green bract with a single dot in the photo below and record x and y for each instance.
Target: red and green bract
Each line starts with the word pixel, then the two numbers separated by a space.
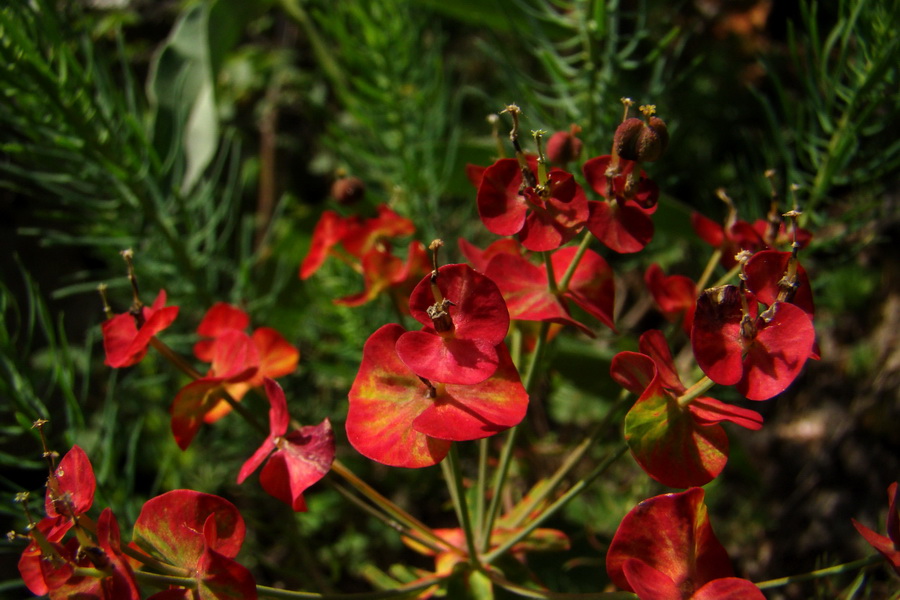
pixel 887 545
pixel 239 362
pixel 525 286
pixel 665 549
pixel 124 343
pixel 544 216
pixel 395 420
pixel 621 221
pixel 200 533
pixel 761 354
pixel 679 446
pixel 467 354
pixel 295 461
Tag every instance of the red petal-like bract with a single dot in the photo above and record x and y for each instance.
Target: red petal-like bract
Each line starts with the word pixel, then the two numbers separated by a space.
pixel 120 584
pixel 554 220
pixel 170 527
pixel 468 354
pixel 886 545
pixel 783 342
pixel 622 224
pixel 675 295
pixel 670 533
pixel 362 237
pixel 500 205
pixel 525 288
pixel 669 445
pixel 328 232
pixel 31 563
pixel 393 420
pixel 480 258
pixel 716 335
pixel 650 583
pixel 219 576
pixel 592 286
pixel 766 268
pixel 729 588
pixel 71 486
pixel 124 343
pixel 221 317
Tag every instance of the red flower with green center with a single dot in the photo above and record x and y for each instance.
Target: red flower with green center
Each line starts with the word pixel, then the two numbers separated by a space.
pixel 621 222
pixel 398 420
pixel 124 342
pixel 462 327
pixel 295 461
pixel 679 446
pixel 665 549
pixel 544 215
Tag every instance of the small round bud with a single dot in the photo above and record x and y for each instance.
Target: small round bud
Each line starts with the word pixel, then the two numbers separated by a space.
pixel 563 147
pixel 644 141
pixel 348 190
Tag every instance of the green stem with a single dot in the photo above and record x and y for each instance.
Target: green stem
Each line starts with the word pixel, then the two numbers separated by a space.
pixel 695 390
pixel 570 270
pixel 708 270
pixel 525 592
pixel 481 486
pixel 551 276
pixel 727 276
pixel 555 507
pixel 453 475
pixel 506 453
pixel 827 572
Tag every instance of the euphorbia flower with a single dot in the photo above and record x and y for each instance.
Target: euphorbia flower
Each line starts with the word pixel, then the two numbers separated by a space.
pixel 124 342
pixel 328 232
pixel 275 357
pixel 201 533
pixel 735 344
pixel 295 461
pixel 886 545
pixel 621 222
pixel 462 327
pixel 679 446
pixel 731 238
pixel 545 215
pixel 398 420
pixel 382 270
pixel 235 360
pixel 675 295
pixel 665 549
pixel 525 287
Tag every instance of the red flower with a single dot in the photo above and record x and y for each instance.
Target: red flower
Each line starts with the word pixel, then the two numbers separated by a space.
pixel 462 329
pixel 396 419
pixel 675 295
pixel 730 239
pixel 545 216
pixel 295 461
pixel 665 549
pixel 525 287
pixel 126 344
pixel 621 222
pixel 676 445
pixel 887 545
pixel 382 271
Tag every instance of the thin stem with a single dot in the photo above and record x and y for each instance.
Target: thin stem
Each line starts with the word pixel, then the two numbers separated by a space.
pixel 506 453
pixel 551 276
pixel 389 507
pixel 708 270
pixel 826 572
pixel 555 507
pixel 727 276
pixel 525 592
pixel 481 487
pixel 695 390
pixel 563 284
pixel 453 475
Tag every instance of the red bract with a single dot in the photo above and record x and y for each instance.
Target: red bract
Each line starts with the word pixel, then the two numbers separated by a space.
pixel 71 485
pixel 766 269
pixel 665 549
pixel 887 545
pixel 32 564
pixel 730 239
pixel 761 353
pixel 679 446
pixel 480 258
pixel 382 270
pixel 544 216
pixel 201 533
pixel 525 287
pixel 295 461
pixel 459 344
pixel 328 232
pixel 395 419
pixel 126 344
pixel 235 359
pixel 621 222
pixel 675 295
